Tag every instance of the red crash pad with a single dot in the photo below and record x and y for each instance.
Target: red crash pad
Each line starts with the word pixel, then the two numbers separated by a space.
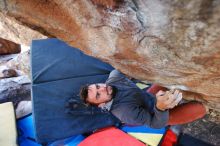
pixel 110 137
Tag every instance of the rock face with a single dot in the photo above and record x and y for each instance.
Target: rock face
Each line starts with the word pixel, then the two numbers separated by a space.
pixel 6 72
pixel 5 58
pixel 16 65
pixel 21 63
pixel 11 30
pixel 15 89
pixel 173 43
pixel 23 108
pixel 8 47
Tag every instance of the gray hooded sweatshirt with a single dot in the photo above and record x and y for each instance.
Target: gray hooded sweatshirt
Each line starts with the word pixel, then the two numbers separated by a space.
pixel 134 106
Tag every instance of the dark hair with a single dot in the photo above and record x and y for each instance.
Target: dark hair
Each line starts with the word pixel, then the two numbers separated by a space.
pixel 84 93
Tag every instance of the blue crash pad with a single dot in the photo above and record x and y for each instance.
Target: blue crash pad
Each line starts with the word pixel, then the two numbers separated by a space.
pixel 58 72
pixel 26 134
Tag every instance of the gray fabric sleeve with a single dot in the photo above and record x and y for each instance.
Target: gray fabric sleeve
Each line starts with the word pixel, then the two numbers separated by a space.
pixel 115 75
pixel 140 116
pixel 158 117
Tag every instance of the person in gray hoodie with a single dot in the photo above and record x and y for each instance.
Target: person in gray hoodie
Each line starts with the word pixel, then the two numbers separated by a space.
pixel 133 106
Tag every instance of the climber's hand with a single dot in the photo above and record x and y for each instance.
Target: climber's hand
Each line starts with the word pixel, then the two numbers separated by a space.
pixel 167 100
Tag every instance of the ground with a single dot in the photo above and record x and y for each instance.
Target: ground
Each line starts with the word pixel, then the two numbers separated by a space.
pixel 204 129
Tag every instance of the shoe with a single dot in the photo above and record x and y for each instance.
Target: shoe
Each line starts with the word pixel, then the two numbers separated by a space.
pixel 155 88
pixel 186 113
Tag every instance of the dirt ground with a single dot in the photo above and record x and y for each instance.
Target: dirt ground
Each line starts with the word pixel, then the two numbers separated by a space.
pixel 205 130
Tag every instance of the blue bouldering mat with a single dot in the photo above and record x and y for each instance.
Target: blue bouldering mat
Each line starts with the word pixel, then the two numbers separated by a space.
pixel 26 132
pixel 58 72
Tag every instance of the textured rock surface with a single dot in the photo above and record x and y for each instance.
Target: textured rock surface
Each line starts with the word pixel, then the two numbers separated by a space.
pixel 6 72
pixel 204 130
pixel 15 89
pixel 5 58
pixel 23 108
pixel 8 47
pixel 169 42
pixel 21 63
pixel 11 30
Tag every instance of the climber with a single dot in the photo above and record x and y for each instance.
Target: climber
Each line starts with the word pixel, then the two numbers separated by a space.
pixel 133 106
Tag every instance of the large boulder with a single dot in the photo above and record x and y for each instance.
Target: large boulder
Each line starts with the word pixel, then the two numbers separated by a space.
pixel 16 65
pixel 5 58
pixel 6 72
pixel 12 30
pixel 173 43
pixel 8 47
pixel 23 108
pixel 15 89
pixel 20 63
